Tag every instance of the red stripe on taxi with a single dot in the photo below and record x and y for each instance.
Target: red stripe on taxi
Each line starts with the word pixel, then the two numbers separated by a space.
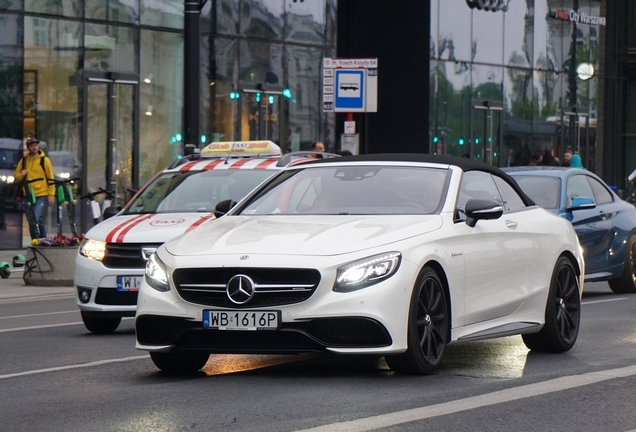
pixel 120 237
pixel 189 165
pixel 213 164
pixel 239 163
pixel 111 234
pixel 200 221
pixel 265 163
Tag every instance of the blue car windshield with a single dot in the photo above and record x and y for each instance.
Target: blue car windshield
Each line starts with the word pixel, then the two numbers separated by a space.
pixel 544 191
pixel 352 189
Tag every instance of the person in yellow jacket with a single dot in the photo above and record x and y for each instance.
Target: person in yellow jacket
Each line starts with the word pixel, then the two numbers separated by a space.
pixel 36 165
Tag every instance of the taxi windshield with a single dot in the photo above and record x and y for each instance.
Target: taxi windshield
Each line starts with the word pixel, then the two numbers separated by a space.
pixel 195 191
pixel 361 190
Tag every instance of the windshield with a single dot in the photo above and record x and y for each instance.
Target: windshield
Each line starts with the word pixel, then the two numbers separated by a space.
pixel 195 191
pixel 357 189
pixel 544 191
pixel 9 158
pixel 61 159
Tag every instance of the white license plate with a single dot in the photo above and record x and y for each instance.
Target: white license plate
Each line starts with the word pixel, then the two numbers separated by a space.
pixel 129 283
pixel 241 320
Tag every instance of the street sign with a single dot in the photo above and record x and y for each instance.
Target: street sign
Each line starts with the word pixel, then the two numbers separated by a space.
pixel 350 85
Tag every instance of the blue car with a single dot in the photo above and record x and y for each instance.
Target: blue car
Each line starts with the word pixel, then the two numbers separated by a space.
pixel 604 223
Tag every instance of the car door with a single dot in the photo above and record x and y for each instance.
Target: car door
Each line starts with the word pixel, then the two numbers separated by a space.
pixel 593 226
pixel 496 254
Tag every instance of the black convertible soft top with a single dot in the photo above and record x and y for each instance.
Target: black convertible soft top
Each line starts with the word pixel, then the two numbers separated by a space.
pixel 464 163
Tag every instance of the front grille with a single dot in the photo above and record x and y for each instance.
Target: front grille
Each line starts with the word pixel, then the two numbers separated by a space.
pixel 126 255
pixel 273 286
pixel 112 297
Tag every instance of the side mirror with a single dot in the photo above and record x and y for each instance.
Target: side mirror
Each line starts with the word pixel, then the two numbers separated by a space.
pixel 477 209
pixel 111 211
pixel 581 203
pixel 223 207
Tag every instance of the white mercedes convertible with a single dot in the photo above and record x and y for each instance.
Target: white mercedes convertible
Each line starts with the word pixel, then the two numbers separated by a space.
pixel 388 255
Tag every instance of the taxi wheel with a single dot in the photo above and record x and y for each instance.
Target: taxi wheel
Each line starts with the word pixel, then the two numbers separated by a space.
pixel 627 282
pixel 180 363
pixel 428 328
pixel 562 314
pixel 100 325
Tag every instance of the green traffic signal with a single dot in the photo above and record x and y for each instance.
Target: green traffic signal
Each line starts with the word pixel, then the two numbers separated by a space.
pixel 258 97
pixel 461 141
pixel 270 99
pixel 435 139
pixel 287 93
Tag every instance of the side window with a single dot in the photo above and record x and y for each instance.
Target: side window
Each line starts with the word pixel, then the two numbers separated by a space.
pixel 475 184
pixel 601 194
pixel 511 199
pixel 578 186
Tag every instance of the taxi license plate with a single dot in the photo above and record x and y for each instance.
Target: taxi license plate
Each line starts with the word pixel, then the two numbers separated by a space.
pixel 240 320
pixel 129 283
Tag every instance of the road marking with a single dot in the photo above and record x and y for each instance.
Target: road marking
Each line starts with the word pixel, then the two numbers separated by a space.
pixel 604 301
pixel 502 396
pixel 77 366
pixel 49 326
pixel 40 314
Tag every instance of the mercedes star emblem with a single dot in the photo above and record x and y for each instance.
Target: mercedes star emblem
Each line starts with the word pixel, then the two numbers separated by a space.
pixel 240 289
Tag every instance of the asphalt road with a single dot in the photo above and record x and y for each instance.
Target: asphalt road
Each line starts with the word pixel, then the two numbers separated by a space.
pixel 55 376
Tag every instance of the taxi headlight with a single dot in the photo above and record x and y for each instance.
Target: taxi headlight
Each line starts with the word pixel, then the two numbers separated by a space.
pixel 367 271
pixel 156 273
pixel 93 249
pixel 7 178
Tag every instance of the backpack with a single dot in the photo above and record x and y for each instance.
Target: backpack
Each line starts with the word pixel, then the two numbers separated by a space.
pixel 24 160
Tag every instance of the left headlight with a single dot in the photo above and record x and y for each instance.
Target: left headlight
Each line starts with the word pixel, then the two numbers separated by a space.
pixel 156 274
pixel 367 271
pixel 93 249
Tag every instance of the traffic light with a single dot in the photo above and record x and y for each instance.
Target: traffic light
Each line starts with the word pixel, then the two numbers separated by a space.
pixel 270 99
pixel 234 95
pixel 461 141
pixel 258 97
pixel 287 93
pixel 203 138
pixel 476 140
pixel 435 139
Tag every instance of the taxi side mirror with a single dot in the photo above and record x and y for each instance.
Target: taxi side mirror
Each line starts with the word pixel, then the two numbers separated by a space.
pixel 223 207
pixel 111 211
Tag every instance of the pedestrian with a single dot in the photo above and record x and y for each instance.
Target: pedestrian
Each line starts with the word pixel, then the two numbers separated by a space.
pixel 548 158
pixel 537 157
pixel 318 146
pixel 510 160
pixel 576 162
pixel 567 157
pixel 34 165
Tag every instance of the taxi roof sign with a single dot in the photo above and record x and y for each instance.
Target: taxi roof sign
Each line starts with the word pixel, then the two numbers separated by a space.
pixel 241 149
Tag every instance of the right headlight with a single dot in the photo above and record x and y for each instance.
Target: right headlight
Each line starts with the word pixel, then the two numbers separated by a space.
pixel 367 271
pixel 156 274
pixel 93 249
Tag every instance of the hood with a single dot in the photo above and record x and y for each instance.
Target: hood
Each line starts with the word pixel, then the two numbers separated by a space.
pixel 300 235
pixel 147 228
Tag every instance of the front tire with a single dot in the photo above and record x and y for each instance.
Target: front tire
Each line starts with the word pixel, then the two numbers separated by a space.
pixel 627 282
pixel 179 363
pixel 100 325
pixel 428 327
pixel 562 313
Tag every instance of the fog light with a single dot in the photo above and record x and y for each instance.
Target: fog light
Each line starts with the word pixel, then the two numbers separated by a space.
pixel 84 294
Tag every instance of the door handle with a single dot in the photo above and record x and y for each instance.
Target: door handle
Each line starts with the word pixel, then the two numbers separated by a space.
pixel 511 224
pixel 603 215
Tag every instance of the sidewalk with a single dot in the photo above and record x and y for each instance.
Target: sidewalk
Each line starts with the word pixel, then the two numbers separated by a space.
pixel 13 288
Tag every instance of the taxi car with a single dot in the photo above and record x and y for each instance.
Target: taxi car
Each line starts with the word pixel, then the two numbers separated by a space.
pixel 387 255
pixel 109 266
pixel 605 224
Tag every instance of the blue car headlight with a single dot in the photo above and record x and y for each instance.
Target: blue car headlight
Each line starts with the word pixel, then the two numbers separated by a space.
pixel 156 274
pixel 367 271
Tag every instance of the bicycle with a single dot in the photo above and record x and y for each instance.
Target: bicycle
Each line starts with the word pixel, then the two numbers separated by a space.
pixel 95 208
pixel 64 194
pixel 28 201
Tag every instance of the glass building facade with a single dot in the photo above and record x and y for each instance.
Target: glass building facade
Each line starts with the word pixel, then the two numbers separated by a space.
pixel 509 78
pixel 104 80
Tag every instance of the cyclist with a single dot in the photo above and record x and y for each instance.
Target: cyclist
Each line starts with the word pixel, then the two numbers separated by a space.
pixel 36 165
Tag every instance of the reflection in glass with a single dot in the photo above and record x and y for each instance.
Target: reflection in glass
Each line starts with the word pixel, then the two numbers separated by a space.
pixel 262 19
pixel 487 38
pixel 162 87
pixel 69 8
pixel 227 22
pixel 306 22
pixel 162 13
pixel 112 10
pixel 109 48
pixel 11 68
pixel 455 42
